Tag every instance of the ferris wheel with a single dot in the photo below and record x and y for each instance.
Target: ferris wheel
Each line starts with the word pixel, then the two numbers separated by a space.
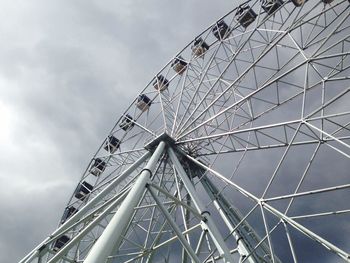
pixel 238 150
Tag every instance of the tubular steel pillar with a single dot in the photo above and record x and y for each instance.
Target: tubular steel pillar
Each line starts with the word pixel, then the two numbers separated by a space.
pixel 112 235
pixel 90 226
pixel 76 217
pixel 231 219
pixel 209 224
pixel 245 235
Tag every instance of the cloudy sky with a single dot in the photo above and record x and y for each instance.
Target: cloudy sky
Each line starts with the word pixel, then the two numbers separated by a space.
pixel 67 71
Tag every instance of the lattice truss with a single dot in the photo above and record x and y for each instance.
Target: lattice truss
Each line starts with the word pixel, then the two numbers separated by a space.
pixel 256 164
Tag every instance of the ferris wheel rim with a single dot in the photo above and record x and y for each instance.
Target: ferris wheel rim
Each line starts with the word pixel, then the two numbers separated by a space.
pixel 180 139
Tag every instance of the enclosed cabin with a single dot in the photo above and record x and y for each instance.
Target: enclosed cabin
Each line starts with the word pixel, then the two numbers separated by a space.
pixel 199 47
pixel 83 190
pixel 143 102
pixel 221 30
pixel 245 15
pixel 112 144
pixel 161 83
pixel 68 212
pixel 60 242
pixel 270 6
pixel 179 65
pixel 97 166
pixel 298 2
pixel 127 123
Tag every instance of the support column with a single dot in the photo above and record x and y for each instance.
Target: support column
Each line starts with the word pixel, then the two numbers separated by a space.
pixel 232 216
pixel 76 217
pixel 228 216
pixel 102 194
pixel 86 230
pixel 209 224
pixel 112 235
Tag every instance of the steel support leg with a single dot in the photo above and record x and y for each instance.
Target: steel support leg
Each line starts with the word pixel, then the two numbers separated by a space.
pixel 209 224
pixel 242 248
pixel 86 230
pixel 341 253
pixel 113 234
pixel 72 220
pixel 103 193
pixel 230 218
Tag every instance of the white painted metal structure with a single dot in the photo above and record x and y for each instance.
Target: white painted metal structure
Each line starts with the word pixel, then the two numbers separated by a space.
pixel 240 156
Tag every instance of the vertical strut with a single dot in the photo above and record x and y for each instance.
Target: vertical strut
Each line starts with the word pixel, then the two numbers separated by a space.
pixel 209 224
pixel 244 234
pixel 224 211
pixel 113 234
pixel 86 230
pixel 76 217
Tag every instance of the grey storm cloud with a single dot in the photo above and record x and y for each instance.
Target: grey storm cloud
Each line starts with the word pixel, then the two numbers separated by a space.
pixel 68 69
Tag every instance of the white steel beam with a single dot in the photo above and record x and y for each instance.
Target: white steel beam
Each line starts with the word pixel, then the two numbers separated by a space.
pixel 328 245
pixel 209 224
pixel 113 234
pixel 223 211
pixel 72 220
pixel 87 229
pixel 175 227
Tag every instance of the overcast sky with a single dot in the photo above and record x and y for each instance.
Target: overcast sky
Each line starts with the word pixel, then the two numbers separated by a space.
pixel 68 69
